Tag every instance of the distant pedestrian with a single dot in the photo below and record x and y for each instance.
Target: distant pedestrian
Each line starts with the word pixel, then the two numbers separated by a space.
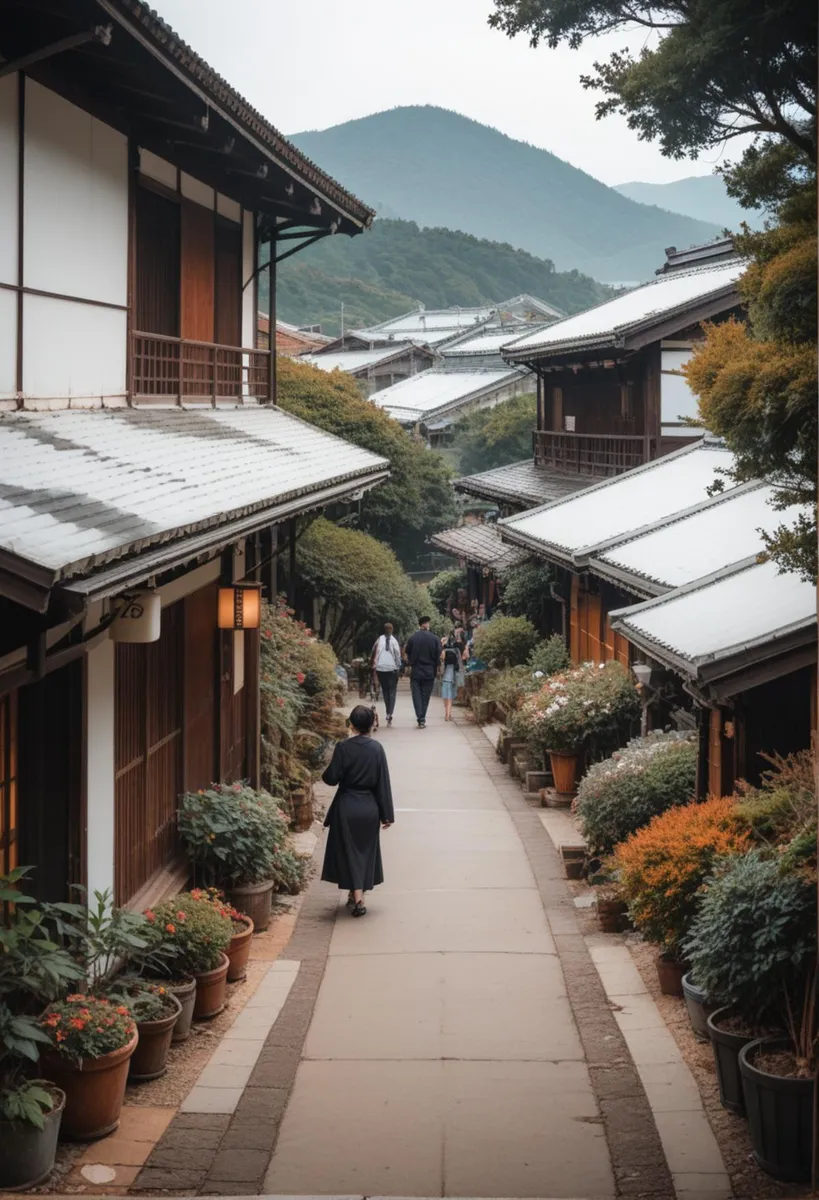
pixel 423 653
pixel 453 656
pixel 361 807
pixel 386 662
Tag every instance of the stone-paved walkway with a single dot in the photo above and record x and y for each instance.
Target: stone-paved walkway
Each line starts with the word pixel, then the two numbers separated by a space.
pixel 457 1041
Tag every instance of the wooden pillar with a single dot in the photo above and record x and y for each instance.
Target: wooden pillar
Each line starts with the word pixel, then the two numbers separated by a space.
pixel 272 318
pixel 253 715
pixel 291 570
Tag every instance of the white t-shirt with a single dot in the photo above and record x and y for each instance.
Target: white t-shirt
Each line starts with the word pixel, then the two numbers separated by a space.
pixel 387 654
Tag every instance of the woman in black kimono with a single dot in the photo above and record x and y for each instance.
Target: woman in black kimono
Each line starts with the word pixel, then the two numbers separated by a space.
pixel 362 804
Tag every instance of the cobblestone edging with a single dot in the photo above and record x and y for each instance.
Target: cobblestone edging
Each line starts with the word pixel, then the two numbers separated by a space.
pixel 638 1162
pixel 226 1154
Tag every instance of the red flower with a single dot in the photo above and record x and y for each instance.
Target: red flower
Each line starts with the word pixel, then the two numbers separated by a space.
pixel 149 916
pixel 75 997
pixel 52 1019
pixel 60 1035
pixel 181 916
pixel 77 1023
pixel 301 677
pixel 170 928
pixel 122 1010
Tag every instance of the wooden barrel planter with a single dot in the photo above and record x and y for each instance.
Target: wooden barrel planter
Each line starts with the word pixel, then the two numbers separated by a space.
pixel 255 900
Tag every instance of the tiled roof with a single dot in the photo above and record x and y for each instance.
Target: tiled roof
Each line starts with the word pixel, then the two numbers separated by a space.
pixel 522 483
pixel 437 391
pixel 79 489
pixel 429 320
pixel 607 325
pixel 358 360
pixel 580 527
pixel 480 544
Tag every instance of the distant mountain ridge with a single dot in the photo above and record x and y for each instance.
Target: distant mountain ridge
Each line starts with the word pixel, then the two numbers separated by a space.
pixel 395 266
pixel 700 196
pixel 441 169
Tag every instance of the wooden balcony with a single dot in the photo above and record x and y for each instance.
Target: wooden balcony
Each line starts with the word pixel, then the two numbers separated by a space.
pixel 179 371
pixel 598 454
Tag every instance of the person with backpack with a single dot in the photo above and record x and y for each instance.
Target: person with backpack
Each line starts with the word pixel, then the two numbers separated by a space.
pixel 453 656
pixel 386 662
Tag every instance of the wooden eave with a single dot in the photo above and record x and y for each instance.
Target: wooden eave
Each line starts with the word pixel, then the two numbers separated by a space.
pixel 157 91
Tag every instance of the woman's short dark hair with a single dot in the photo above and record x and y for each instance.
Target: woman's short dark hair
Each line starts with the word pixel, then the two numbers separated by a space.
pixel 362 718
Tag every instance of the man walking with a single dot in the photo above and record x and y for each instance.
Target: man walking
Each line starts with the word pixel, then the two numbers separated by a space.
pixel 386 662
pixel 423 653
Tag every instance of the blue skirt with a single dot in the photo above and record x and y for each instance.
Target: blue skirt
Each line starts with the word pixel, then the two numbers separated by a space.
pixel 449 691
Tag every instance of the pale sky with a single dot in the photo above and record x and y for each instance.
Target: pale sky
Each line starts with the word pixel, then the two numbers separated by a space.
pixel 310 64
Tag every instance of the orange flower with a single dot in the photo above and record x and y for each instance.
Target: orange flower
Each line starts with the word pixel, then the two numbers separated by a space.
pixel 170 928
pixel 149 916
pixel 75 998
pixel 53 1019
pixel 122 1010
pixel 77 1023
pixel 60 1035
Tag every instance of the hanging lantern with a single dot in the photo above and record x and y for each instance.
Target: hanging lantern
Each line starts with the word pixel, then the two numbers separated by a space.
pixel 240 606
pixel 139 618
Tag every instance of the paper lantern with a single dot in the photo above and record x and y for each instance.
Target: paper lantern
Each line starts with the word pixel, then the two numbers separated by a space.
pixel 240 606
pixel 139 618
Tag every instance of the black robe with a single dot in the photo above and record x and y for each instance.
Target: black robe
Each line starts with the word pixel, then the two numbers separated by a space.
pixel 363 800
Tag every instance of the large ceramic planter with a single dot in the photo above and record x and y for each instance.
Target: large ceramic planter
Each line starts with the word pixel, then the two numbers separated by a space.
pixel 238 953
pixel 255 900
pixel 696 1001
pixel 211 989
pixel 564 771
pixel 780 1114
pixel 27 1153
pixel 185 992
pixel 94 1090
pixel 150 1059
pixel 670 974
pixel 726 1046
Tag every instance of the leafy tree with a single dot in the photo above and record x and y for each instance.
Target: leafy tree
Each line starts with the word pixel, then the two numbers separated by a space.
pixel 757 383
pixel 445 586
pixel 359 584
pixel 417 500
pixel 525 591
pixel 493 437
pixel 717 70
pixel 505 641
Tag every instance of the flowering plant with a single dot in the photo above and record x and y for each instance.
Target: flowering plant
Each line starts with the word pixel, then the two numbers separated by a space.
pixel 663 866
pixel 193 926
pixel 84 1026
pixel 621 794
pixel 231 832
pixel 216 897
pixel 589 707
pixel 146 1001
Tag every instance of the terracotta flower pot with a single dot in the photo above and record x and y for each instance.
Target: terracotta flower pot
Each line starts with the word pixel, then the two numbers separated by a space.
pixel 94 1090
pixel 670 973
pixel 564 771
pixel 150 1058
pixel 26 1152
pixel 255 900
pixel 238 953
pixel 185 993
pixel 211 987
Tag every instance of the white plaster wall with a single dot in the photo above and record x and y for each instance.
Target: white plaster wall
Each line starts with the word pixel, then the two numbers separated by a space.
pixel 100 766
pixel 73 351
pixel 676 398
pixel 76 201
pixel 248 263
pixel 157 168
pixel 8 344
pixel 200 193
pixel 226 207
pixel 9 163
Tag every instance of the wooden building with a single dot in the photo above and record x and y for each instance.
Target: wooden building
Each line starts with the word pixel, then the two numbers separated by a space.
pixel 291 341
pixel 143 462
pixel 478 548
pixel 375 369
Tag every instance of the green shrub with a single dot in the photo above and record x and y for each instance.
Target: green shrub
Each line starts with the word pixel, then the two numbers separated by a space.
pixel 505 641
pixel 525 592
pixel 589 709
pixel 550 657
pixel 753 940
pixel 621 794
pixel 232 833
pixel 443 589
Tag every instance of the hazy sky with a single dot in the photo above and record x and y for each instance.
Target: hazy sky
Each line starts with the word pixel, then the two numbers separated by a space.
pixel 309 64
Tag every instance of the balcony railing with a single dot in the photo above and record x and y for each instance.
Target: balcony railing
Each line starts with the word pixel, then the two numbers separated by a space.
pixel 598 454
pixel 181 371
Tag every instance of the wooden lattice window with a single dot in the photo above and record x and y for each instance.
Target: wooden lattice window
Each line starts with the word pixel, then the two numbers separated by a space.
pixel 8 783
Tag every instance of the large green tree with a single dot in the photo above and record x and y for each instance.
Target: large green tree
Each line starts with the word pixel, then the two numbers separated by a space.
pixel 417 500
pixel 493 437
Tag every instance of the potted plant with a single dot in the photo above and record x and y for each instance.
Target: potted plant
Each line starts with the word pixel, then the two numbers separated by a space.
pixel 699 1007
pixel 231 833
pixel 590 709
pixel 238 950
pixel 753 944
pixel 662 868
pixel 92 1040
pixel 33 968
pixel 155 1010
pixel 200 934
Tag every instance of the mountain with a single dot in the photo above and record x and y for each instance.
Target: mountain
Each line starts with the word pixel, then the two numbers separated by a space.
pixel 440 169
pixel 395 266
pixel 700 196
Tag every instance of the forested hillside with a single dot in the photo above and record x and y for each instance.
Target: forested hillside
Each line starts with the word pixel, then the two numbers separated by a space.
pixel 395 266
pixel 701 196
pixel 441 169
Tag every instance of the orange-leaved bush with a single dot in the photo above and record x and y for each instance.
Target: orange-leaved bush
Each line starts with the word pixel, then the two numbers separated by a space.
pixel 663 866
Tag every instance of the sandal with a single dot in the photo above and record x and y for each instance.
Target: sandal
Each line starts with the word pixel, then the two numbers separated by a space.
pixel 359 909
pixel 350 900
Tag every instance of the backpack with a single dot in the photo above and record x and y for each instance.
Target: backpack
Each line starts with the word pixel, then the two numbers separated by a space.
pixel 451 657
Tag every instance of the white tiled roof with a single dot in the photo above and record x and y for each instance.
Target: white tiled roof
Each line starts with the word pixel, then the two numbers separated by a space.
pixel 427 320
pixel 617 507
pixel 355 360
pixel 82 488
pixel 724 531
pixel 483 343
pixel 607 322
pixel 429 391
pixel 718 619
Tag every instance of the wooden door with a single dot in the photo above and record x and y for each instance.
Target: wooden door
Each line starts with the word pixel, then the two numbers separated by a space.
pixel 157 263
pixel 201 677
pixel 198 276
pixel 228 300
pixel 233 709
